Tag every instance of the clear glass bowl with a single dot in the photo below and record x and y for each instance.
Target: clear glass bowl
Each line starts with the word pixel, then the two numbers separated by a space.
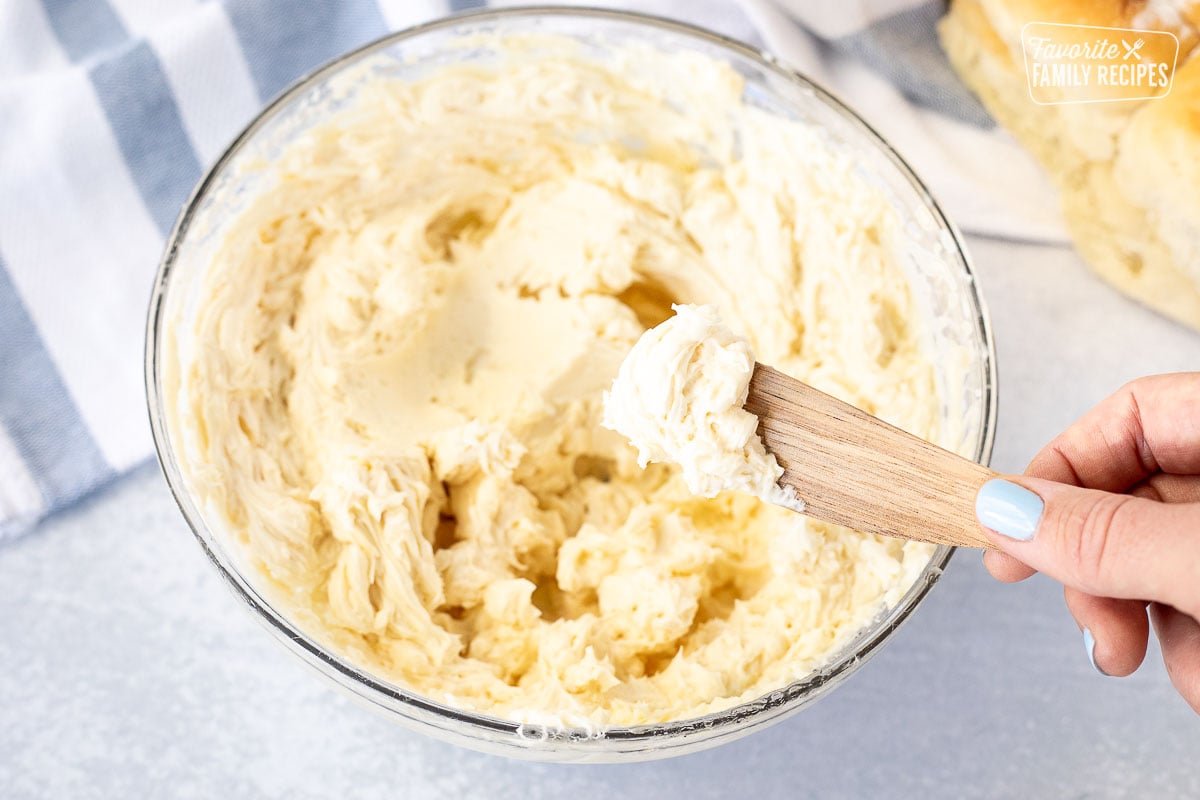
pixel 958 335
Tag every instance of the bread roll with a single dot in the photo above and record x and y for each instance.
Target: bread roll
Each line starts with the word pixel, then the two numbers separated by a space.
pixel 1128 171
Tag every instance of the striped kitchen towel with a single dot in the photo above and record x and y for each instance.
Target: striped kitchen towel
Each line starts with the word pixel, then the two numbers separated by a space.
pixel 111 109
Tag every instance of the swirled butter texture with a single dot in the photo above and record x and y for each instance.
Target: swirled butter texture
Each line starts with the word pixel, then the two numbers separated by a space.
pixel 392 402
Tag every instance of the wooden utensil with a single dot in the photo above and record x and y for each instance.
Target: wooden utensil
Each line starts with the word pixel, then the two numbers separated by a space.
pixel 853 469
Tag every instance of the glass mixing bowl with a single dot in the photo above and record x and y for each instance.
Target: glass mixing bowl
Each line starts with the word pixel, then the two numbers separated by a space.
pixel 958 335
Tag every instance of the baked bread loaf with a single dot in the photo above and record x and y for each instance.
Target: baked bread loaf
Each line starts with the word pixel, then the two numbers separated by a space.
pixel 1128 171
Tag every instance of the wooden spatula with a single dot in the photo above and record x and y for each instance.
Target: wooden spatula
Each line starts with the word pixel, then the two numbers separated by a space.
pixel 853 469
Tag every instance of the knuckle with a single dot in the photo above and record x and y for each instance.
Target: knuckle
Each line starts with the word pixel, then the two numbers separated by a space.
pixel 1133 385
pixel 1090 535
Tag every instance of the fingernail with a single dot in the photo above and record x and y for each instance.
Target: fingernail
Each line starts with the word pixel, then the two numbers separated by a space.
pixel 1008 509
pixel 1089 644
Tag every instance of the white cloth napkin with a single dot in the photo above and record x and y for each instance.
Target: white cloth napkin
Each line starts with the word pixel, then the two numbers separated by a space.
pixel 110 110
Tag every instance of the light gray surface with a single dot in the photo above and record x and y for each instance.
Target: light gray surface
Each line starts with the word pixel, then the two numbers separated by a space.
pixel 127 669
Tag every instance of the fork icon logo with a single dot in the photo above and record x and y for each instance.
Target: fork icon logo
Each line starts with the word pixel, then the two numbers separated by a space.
pixel 1131 50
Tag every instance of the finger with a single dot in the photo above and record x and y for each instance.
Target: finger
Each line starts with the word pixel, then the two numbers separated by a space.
pixel 1179 636
pixel 1168 488
pixel 1150 425
pixel 1109 545
pixel 1004 567
pixel 1160 486
pixel 1119 630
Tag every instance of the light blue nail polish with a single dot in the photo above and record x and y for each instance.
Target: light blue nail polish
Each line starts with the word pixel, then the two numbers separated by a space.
pixel 1008 509
pixel 1089 643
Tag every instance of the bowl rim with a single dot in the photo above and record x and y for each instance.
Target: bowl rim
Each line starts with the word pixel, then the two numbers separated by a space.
pixel 427 713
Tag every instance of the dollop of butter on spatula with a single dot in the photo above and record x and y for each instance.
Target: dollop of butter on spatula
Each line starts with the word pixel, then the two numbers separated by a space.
pixel 679 398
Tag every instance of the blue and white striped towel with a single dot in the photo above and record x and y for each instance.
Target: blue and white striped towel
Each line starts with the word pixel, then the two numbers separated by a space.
pixel 111 109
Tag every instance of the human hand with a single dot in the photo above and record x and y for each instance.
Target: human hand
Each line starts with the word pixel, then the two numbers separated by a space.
pixel 1111 509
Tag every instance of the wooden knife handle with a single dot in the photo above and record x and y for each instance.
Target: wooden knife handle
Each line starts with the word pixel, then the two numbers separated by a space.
pixel 853 469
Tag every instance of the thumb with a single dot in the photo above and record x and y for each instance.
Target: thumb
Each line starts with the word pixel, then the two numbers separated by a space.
pixel 1108 545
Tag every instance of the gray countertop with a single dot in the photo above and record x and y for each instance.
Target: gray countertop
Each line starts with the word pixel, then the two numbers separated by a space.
pixel 128 670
